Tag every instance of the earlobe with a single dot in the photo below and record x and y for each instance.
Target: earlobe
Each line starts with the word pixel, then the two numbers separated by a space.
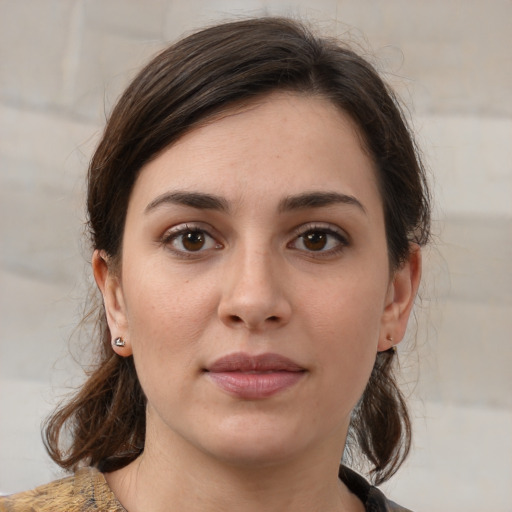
pixel 107 280
pixel 400 300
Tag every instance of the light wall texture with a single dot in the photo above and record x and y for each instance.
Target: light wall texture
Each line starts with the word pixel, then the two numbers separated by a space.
pixel 62 65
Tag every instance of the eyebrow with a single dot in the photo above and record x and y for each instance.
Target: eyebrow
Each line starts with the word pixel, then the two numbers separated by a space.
pixel 203 201
pixel 197 200
pixel 318 200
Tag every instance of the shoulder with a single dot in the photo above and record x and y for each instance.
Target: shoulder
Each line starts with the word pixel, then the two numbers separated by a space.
pixel 372 497
pixel 85 491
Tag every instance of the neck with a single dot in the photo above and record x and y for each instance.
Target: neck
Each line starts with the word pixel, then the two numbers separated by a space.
pixel 188 479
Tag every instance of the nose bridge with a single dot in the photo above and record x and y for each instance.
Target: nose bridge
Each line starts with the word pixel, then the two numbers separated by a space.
pixel 253 294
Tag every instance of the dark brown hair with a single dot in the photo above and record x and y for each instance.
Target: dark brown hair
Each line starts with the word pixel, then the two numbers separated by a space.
pixel 201 75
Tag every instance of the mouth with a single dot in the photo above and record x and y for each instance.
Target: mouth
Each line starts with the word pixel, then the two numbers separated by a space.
pixel 254 377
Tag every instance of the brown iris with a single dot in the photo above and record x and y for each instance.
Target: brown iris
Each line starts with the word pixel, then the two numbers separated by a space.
pixel 193 240
pixel 315 240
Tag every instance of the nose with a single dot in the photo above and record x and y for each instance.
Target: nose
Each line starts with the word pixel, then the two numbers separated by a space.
pixel 253 294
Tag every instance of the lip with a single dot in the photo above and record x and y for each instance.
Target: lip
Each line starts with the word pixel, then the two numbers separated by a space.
pixel 254 377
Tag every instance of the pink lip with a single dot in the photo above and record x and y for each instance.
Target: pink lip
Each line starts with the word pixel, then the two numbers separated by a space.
pixel 254 377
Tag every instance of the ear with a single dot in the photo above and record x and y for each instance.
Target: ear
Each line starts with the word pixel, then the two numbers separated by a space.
pixel 400 300
pixel 108 282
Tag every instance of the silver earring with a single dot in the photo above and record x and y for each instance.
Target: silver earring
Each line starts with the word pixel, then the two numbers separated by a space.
pixel 390 339
pixel 119 342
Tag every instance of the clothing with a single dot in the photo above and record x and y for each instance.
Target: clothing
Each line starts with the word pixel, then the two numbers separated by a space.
pixel 85 491
pixel 372 497
pixel 88 491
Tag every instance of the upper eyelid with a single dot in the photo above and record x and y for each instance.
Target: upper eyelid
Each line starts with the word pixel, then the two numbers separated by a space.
pixel 209 230
pixel 320 226
pixel 190 226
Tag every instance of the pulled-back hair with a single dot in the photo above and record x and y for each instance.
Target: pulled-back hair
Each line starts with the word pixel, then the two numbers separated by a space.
pixel 202 75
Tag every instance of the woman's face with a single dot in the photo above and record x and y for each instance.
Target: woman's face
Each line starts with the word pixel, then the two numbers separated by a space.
pixel 255 289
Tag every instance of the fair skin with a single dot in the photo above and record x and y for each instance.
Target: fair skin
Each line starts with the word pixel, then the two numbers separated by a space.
pixel 261 232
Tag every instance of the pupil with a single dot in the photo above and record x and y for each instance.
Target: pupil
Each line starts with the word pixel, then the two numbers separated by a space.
pixel 193 241
pixel 315 241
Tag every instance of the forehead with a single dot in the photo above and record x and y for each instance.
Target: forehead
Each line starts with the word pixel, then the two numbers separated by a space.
pixel 282 143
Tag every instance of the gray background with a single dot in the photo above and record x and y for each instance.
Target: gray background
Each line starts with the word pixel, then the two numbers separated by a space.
pixel 63 63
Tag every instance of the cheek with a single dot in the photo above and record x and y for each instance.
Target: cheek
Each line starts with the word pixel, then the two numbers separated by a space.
pixel 166 315
pixel 350 309
pixel 345 322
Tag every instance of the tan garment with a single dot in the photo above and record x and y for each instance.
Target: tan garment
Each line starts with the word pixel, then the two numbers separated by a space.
pixel 88 491
pixel 85 491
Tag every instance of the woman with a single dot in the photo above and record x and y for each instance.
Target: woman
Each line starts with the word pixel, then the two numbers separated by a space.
pixel 256 209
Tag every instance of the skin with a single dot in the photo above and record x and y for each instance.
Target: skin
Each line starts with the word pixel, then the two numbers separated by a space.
pixel 257 285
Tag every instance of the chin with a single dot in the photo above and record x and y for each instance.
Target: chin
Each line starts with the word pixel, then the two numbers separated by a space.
pixel 257 444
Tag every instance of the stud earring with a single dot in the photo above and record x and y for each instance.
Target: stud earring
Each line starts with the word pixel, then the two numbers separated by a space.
pixel 118 342
pixel 390 339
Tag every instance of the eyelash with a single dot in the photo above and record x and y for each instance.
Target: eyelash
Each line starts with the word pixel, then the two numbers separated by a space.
pixel 177 234
pixel 341 240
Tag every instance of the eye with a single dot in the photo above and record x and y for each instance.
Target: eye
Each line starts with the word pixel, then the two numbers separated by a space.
pixel 190 240
pixel 319 239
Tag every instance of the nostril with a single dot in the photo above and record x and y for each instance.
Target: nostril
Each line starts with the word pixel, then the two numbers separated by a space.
pixel 273 318
pixel 236 319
